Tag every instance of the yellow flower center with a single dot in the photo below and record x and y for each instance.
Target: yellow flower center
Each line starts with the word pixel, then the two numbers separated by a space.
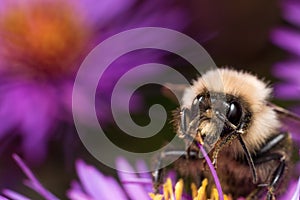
pixel 45 36
pixel 200 194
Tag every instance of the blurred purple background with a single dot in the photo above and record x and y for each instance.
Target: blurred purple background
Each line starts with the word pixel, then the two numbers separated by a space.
pixel 42 44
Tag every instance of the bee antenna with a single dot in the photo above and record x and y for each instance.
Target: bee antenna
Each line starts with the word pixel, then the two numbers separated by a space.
pixel 249 159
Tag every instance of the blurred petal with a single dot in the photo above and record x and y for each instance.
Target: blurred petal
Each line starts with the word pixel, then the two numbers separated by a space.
pixel 14 195
pixel 95 183
pixel 296 195
pixel 118 191
pixel 287 91
pixel 144 174
pixel 3 198
pixel 287 39
pixel 291 12
pixel 32 180
pixel 134 191
pixel 76 192
pixel 288 70
pixel 104 10
pixel 92 181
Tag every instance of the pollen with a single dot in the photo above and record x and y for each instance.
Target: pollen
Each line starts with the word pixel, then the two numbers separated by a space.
pixel 201 194
pixel 46 36
pixel 168 192
pixel 179 189
pixel 176 193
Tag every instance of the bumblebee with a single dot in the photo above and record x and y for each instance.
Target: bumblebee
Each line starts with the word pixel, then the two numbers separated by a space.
pixel 230 114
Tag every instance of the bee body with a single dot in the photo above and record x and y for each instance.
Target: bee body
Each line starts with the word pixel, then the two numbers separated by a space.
pixel 229 113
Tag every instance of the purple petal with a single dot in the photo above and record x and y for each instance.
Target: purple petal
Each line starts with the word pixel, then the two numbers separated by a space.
pixel 73 195
pixel 143 169
pixel 287 39
pixel 76 192
pixel 8 120
pixel 96 184
pixel 296 195
pixel 34 124
pixel 92 181
pixel 78 195
pixel 148 14
pixel 104 10
pixel 14 195
pixel 287 91
pixel 33 182
pixel 288 70
pixel 3 198
pixel 134 191
pixel 291 12
pixel 144 174
pixel 118 191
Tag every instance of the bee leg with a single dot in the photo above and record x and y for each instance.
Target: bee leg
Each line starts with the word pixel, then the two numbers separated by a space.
pixel 157 174
pixel 264 156
pixel 277 174
pixel 275 179
pixel 270 187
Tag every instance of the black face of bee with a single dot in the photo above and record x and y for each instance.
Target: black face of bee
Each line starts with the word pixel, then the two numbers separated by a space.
pixel 224 107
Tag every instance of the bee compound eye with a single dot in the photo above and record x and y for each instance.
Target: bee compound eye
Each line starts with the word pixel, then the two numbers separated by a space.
pixel 234 113
pixel 199 104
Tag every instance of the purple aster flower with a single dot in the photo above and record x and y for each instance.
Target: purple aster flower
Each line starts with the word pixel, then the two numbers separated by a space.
pixel 92 183
pixel 289 89
pixel 42 46
pixel 136 186
pixel 288 38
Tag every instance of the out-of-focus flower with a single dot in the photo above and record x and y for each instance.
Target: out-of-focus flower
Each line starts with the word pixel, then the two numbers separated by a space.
pixel 42 46
pixel 42 43
pixel 288 38
pixel 32 183
pixel 289 89
pixel 93 184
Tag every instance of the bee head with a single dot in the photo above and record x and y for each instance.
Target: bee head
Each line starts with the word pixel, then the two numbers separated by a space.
pixel 213 116
pixel 224 99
